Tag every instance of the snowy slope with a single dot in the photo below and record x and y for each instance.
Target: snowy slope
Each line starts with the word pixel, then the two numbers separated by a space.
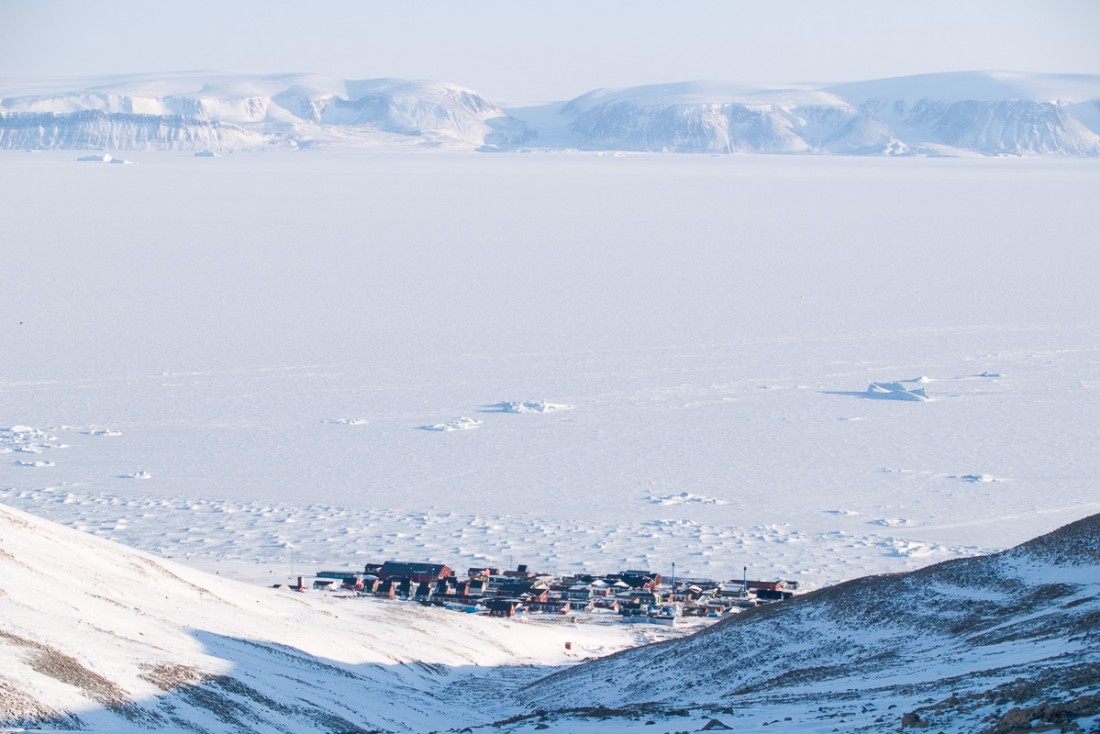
pixel 221 113
pixel 957 644
pixel 97 636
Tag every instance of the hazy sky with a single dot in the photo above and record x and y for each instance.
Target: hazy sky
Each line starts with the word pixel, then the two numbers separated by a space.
pixel 517 50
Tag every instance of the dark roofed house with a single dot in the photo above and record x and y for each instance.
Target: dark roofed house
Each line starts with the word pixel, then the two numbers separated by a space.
pixel 413 571
pixel 503 607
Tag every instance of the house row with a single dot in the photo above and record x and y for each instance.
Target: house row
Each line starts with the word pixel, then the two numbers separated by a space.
pixel 633 594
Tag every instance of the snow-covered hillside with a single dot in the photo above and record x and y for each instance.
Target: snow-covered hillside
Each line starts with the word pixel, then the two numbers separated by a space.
pixel 224 113
pixel 979 644
pixel 988 113
pixel 97 636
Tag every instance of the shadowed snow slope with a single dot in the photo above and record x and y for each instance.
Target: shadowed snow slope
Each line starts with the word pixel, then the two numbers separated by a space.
pixel 956 641
pixel 96 636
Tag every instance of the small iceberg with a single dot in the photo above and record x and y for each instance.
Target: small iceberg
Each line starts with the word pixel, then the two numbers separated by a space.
pixel 459 424
pixel 541 406
pixel 895 391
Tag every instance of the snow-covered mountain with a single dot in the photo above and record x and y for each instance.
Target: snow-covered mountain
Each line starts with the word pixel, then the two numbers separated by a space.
pixel 989 113
pixel 994 113
pixel 984 112
pixel 223 113
pixel 698 117
pixel 978 644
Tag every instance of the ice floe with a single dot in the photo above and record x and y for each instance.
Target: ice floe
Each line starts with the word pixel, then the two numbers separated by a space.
pixel 104 158
pixel 346 421
pixel 528 407
pixel 894 391
pixel 890 522
pixel 685 498
pixel 975 478
pixel 27 440
pixel 458 424
pixel 136 475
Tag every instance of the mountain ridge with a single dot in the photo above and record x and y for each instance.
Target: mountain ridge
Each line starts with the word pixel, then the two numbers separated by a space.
pixel 959 113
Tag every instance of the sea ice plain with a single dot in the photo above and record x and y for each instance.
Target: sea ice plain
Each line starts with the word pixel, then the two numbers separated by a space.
pixel 259 337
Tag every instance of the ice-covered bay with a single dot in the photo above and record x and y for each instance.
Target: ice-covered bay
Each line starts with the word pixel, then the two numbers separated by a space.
pixel 266 334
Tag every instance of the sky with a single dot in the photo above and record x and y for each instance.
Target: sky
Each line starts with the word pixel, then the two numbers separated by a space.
pixel 538 51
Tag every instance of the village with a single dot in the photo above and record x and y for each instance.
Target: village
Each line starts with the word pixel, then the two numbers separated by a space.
pixel 634 596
